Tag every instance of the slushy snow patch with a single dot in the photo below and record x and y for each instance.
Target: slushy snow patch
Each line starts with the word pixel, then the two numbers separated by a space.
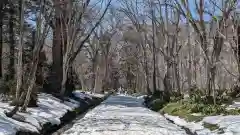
pixel 123 115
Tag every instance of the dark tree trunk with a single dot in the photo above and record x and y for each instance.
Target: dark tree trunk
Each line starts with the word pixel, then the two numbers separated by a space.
pixel 57 56
pixel 1 35
pixel 167 83
pixel 238 49
pixel 70 87
pixel 154 55
pixel 11 69
pixel 154 73
pixel 93 75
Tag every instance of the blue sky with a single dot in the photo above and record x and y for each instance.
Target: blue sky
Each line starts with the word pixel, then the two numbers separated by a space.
pixel 208 6
pixel 193 9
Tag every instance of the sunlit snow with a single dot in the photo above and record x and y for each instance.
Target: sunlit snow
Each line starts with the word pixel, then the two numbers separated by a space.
pixel 123 115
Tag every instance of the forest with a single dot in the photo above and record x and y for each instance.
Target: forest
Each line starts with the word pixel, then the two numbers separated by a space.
pixel 166 49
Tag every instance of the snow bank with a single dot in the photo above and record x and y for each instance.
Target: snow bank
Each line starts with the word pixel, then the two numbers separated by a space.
pixel 50 109
pixel 192 126
pixel 229 124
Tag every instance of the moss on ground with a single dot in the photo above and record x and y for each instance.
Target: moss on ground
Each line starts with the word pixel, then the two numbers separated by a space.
pixel 211 127
pixel 179 109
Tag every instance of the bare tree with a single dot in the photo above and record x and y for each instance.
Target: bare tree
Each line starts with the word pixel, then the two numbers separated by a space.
pixel 23 96
pixel 131 10
pixel 20 52
pixel 202 31
pixel 72 22
pixel 40 40
pixel 93 53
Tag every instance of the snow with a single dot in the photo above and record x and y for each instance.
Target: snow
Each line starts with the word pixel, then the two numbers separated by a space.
pixel 229 124
pixel 95 94
pixel 81 95
pixel 234 105
pixel 192 126
pixel 50 109
pixel 123 115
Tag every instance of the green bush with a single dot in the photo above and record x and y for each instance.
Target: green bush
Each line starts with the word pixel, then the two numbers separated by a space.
pixel 199 96
pixel 156 104
pixel 196 108
pixel 213 110
pixel 176 96
pixel 182 110
pixel 189 108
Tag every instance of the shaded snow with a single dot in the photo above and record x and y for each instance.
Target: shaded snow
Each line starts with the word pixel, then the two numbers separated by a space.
pixel 81 95
pixel 95 94
pixel 49 110
pixel 123 115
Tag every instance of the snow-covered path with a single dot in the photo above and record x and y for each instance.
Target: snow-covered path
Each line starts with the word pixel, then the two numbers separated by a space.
pixel 123 115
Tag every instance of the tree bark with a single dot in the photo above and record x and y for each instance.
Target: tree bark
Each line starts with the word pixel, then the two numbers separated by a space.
pixel 238 51
pixel 93 74
pixel 176 70
pixel 167 82
pixel 57 56
pixel 20 51
pixel 146 64
pixel 11 69
pixel 1 36
pixel 154 53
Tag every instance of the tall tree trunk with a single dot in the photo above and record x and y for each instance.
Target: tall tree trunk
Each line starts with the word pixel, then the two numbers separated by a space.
pixel 167 82
pixel 105 80
pixel 189 78
pixel 65 71
pixel 20 51
pixel 11 69
pixel 96 85
pixel 1 35
pixel 93 75
pixel 70 86
pixel 238 50
pixel 154 53
pixel 32 80
pixel 18 98
pixel 176 70
pixel 146 63
pixel 57 56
